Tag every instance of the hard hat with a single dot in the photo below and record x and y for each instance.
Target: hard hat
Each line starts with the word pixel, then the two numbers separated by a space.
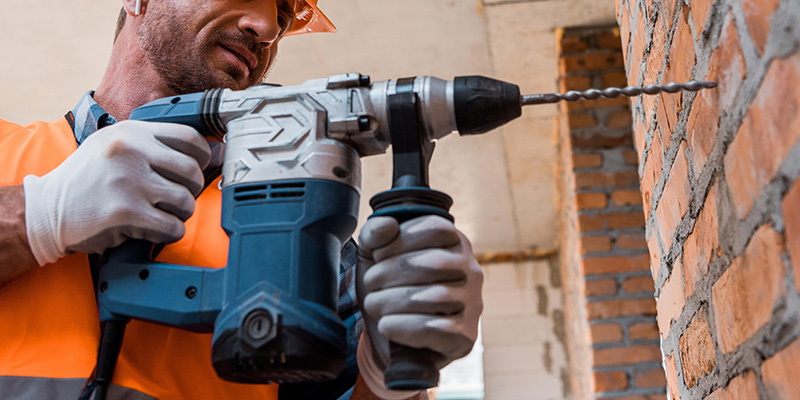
pixel 309 18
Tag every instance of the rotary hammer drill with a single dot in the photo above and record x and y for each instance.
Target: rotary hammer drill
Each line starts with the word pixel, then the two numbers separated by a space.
pixel 290 193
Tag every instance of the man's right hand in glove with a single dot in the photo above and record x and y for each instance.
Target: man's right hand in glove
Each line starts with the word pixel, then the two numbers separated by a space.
pixel 130 180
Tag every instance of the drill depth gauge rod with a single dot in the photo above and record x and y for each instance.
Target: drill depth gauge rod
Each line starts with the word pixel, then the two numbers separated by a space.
pixel 290 191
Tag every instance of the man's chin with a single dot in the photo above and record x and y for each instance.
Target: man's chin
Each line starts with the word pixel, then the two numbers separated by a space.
pixel 233 79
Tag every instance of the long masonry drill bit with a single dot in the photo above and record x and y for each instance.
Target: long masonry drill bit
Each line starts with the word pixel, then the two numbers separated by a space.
pixel 612 92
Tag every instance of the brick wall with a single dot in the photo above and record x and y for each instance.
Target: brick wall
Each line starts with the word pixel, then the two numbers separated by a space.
pixel 609 306
pixel 719 176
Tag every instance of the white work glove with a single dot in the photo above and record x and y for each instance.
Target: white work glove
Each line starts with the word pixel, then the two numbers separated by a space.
pixel 133 179
pixel 418 285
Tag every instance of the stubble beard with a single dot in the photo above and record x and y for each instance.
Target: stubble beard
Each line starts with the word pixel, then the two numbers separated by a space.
pixel 183 63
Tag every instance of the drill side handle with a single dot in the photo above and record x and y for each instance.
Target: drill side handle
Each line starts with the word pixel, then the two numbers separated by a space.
pixel 409 198
pixel 410 368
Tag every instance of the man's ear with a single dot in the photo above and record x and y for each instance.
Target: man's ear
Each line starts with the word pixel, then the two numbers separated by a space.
pixel 134 7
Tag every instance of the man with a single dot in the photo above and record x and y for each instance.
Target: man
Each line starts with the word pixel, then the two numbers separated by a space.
pixel 87 183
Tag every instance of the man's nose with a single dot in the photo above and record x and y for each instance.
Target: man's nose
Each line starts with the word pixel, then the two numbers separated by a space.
pixel 261 21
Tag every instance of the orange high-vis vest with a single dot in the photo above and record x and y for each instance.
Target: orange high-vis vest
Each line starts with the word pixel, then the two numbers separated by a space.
pixel 49 327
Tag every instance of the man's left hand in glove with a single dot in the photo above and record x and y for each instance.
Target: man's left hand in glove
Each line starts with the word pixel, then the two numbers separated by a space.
pixel 418 285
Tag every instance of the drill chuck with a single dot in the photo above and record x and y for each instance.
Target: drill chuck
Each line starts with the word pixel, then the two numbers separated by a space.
pixel 483 104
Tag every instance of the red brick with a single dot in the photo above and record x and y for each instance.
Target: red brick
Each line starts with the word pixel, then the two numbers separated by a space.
pixel 758 15
pixel 791 218
pixel 702 127
pixel 650 378
pixel 655 255
pixel 701 246
pixel 601 287
pixel 615 79
pixel 655 64
pixel 727 68
pixel 625 220
pixel 595 243
pixel 769 130
pixel 581 120
pixel 609 381
pixel 638 43
pixel 626 355
pixel 665 120
pixel 591 222
pixel 595 138
pixel 626 197
pixel 619 119
pixel 609 40
pixel 700 10
pixel 744 386
pixel 573 44
pixel 779 373
pixel 643 331
pixel 615 265
pixel 697 350
pixel 586 201
pixel 679 69
pixel 575 82
pixel 652 171
pixel 587 160
pixel 631 241
pixel 744 295
pixel 599 103
pixel 620 308
pixel 671 300
pixel 638 284
pixel 605 333
pixel 675 198
pixel 631 158
pixel 672 377
pixel 606 179
pixel 592 61
pixel 624 29
pixel 682 53
pixel 614 220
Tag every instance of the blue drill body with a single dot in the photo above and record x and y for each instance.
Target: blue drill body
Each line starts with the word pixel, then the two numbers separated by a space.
pixel 290 194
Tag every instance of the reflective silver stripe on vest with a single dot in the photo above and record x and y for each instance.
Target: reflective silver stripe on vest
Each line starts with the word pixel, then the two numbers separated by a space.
pixel 31 388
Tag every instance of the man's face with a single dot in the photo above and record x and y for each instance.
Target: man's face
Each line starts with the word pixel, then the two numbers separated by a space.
pixel 197 45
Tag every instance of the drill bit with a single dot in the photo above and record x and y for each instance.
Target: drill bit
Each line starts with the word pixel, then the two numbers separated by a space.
pixel 612 92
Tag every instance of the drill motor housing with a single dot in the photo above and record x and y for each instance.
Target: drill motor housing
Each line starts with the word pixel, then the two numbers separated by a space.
pixel 290 193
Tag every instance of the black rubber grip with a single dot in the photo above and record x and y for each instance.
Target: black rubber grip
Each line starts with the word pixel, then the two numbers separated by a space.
pixel 410 368
pixel 483 104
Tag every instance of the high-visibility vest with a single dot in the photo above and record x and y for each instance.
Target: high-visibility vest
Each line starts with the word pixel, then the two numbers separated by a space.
pixel 49 328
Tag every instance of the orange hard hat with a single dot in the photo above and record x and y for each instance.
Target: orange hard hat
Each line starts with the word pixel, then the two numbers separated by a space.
pixel 309 18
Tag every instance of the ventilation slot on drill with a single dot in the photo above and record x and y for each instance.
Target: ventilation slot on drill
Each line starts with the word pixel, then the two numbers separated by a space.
pixel 244 193
pixel 287 190
pixel 273 191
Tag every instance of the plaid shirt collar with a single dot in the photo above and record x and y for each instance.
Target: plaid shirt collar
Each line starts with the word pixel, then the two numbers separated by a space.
pixel 87 117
